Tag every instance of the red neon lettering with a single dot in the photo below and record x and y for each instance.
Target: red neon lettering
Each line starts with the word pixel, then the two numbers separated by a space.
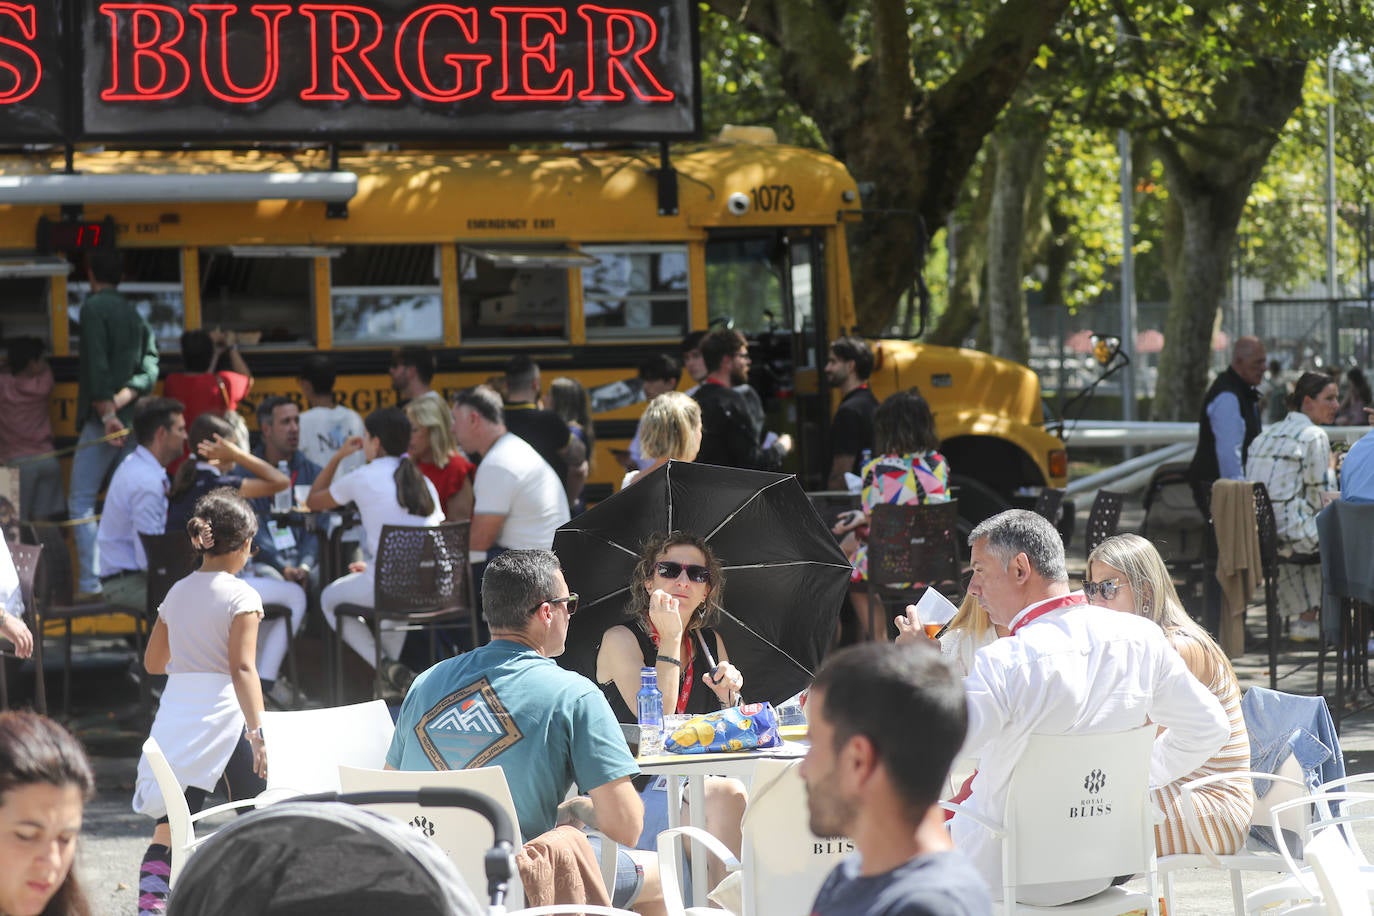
pixel 602 26
pixel 340 14
pixel 27 73
pixel 146 24
pixel 214 54
pixel 517 87
pixel 422 85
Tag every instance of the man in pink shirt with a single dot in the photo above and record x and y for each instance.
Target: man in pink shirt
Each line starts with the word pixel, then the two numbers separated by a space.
pixel 26 434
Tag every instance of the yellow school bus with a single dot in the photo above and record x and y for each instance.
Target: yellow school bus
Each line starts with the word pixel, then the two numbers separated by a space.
pixel 560 254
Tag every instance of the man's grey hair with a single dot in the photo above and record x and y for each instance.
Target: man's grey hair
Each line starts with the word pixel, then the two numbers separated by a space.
pixel 1021 531
pixel 484 400
pixel 515 583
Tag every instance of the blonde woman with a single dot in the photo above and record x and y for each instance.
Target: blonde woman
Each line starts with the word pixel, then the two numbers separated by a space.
pixel 670 431
pixel 437 456
pixel 1126 573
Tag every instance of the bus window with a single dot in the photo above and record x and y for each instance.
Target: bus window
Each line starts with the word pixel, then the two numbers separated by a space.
pixel 744 282
pixel 515 291
pixel 152 282
pixel 386 292
pixel 635 291
pixel 26 307
pixel 265 290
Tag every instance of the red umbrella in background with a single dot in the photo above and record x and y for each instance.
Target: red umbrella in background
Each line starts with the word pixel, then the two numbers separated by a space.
pixel 1149 341
pixel 1080 342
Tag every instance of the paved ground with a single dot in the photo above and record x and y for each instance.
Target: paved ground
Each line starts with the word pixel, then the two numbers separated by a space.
pixel 115 837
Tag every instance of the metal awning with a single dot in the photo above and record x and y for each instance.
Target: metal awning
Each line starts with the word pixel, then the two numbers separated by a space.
pixel 327 187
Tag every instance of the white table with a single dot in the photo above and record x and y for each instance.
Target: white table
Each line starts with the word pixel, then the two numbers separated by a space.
pixel 694 768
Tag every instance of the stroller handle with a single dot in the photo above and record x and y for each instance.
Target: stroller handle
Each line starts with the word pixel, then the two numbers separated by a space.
pixel 430 797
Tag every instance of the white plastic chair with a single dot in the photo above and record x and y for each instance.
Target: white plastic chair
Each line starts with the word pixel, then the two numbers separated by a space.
pixel 305 747
pixel 784 863
pixel 463 835
pixel 1332 814
pixel 1337 870
pixel 1285 785
pixel 179 817
pixel 1048 839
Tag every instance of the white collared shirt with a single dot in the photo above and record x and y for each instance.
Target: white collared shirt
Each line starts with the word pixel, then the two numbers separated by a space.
pixel 136 503
pixel 1080 670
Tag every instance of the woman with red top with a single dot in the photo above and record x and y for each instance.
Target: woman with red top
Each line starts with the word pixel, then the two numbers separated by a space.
pixel 435 454
pixel 202 386
pixel 674 598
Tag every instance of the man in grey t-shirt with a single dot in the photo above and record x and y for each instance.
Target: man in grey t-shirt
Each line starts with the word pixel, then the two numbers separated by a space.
pixel 886 722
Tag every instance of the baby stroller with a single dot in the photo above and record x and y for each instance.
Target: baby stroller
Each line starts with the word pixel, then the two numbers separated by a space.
pixel 320 856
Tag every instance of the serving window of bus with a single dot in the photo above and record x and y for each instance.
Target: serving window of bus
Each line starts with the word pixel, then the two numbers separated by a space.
pixel 25 290
pixel 265 290
pixel 386 292
pixel 153 283
pixel 636 291
pixel 516 292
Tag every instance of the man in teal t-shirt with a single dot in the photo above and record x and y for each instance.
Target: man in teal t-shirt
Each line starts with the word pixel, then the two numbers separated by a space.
pixel 508 704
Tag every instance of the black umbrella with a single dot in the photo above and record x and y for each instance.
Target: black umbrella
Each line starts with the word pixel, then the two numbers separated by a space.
pixel 785 577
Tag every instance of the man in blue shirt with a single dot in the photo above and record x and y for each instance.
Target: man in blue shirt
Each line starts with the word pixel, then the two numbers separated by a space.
pixel 1357 471
pixel 290 552
pixel 508 704
pixel 886 723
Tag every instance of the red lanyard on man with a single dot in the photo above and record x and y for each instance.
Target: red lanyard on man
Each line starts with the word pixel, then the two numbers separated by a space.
pixel 1048 607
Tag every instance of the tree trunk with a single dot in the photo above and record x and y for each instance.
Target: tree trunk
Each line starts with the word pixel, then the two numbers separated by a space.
pixel 1017 151
pixel 910 147
pixel 962 313
pixel 1209 171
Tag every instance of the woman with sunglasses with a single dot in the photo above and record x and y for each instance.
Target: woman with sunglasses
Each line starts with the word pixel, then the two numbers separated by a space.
pixel 209 722
pixel 1127 574
pixel 675 595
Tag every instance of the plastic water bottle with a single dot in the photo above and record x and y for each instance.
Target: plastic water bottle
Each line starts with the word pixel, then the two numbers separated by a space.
pixel 650 714
pixel 281 502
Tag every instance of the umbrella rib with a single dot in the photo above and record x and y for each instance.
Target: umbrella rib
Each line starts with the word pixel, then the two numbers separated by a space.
pixel 781 651
pixel 781 564
pixel 740 508
pixel 605 540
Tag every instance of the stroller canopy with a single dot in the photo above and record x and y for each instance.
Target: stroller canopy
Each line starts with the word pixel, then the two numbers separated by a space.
pixel 320 859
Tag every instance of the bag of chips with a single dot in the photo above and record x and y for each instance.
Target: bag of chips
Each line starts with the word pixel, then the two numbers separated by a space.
pixel 738 728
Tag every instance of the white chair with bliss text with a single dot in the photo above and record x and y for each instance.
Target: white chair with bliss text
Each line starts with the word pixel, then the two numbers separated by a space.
pixel 464 836
pixel 1078 809
pixel 784 863
pixel 179 817
pixel 305 747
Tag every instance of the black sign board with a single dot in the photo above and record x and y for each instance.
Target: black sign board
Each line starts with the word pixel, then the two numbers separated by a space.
pixel 369 70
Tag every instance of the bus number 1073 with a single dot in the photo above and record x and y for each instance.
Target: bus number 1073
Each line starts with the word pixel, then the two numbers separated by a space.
pixel 770 197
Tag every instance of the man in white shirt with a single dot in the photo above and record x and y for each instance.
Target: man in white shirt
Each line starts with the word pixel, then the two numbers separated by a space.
pixel 1067 668
pixel 136 502
pixel 519 500
pixel 325 425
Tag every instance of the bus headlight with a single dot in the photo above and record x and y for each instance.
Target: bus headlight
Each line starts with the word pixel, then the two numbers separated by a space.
pixel 737 203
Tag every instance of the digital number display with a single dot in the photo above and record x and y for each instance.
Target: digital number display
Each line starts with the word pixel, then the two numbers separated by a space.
pixel 74 235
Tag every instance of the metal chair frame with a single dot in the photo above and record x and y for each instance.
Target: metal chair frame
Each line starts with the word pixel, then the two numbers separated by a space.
pixel 918 544
pixel 1103 518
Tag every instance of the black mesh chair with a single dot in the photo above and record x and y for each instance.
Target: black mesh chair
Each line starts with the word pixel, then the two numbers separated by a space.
pixel 1271 561
pixel 1049 505
pixel 27 558
pixel 912 548
pixel 422 581
pixel 1103 518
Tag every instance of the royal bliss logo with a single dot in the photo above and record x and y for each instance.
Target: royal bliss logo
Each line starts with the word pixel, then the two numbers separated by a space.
pixel 1094 805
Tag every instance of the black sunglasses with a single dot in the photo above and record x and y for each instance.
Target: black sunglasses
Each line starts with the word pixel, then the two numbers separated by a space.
pixel 1107 589
pixel 670 570
pixel 570 601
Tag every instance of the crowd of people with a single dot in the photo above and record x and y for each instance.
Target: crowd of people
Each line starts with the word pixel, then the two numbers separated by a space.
pixel 1025 654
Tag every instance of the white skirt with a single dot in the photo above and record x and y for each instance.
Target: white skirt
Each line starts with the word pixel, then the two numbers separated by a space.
pixel 198 724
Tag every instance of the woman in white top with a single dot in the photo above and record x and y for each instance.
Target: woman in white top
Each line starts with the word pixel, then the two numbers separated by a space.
pixel 388 490
pixel 670 431
pixel 209 722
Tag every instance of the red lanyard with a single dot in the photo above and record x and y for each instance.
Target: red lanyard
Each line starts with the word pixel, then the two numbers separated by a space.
pixel 684 687
pixel 1068 600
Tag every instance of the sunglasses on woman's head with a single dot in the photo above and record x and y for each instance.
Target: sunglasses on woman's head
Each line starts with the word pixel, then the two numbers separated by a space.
pixel 1106 589
pixel 670 570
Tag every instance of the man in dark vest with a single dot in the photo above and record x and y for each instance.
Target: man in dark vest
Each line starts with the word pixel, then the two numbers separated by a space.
pixel 1229 422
